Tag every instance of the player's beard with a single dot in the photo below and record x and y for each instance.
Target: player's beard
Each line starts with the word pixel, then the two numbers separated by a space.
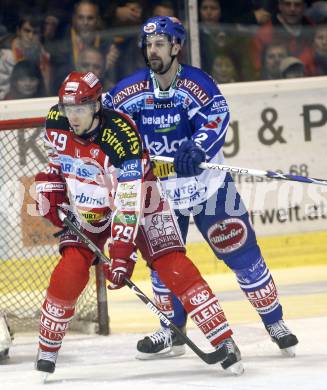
pixel 157 65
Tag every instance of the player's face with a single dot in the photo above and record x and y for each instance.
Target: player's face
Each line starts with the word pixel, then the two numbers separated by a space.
pixel 80 117
pixel 159 51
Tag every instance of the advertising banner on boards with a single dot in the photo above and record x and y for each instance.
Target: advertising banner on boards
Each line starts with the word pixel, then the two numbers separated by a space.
pixel 280 126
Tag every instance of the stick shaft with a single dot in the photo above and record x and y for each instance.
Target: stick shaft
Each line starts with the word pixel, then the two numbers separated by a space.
pixel 250 171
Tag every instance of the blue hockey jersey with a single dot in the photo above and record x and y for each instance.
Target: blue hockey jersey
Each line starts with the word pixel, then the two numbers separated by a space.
pixel 193 107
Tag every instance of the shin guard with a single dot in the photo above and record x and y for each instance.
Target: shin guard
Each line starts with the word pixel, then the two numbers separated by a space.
pixel 259 288
pixel 166 301
pixel 55 317
pixel 182 277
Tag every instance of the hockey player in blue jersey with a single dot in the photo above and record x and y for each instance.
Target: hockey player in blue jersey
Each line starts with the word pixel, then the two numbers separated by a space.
pixel 181 113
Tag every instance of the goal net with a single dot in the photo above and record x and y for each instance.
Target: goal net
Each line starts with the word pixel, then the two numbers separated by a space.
pixel 28 249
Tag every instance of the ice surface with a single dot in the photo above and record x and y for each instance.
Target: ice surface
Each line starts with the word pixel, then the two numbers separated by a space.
pixel 108 363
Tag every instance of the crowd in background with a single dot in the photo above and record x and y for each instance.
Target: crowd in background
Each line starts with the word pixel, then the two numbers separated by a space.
pixel 41 41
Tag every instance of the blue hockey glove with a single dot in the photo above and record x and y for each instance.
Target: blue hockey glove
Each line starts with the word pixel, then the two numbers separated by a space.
pixel 187 159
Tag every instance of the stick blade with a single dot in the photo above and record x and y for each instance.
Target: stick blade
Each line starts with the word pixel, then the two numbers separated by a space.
pixel 215 356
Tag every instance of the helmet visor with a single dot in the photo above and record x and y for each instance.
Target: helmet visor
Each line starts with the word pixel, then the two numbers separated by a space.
pixel 82 110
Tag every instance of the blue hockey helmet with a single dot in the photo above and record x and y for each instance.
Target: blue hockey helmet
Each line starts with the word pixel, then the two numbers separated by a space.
pixel 170 26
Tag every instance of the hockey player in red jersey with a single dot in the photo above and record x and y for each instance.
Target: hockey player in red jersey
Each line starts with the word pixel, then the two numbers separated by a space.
pixel 97 165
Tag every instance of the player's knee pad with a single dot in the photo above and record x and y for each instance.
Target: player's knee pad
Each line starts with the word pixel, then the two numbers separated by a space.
pixel 71 274
pixel 255 270
pixel 177 271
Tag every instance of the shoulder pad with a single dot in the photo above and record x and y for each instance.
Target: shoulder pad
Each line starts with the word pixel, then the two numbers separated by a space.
pixel 133 85
pixel 198 84
pixel 119 138
pixel 55 120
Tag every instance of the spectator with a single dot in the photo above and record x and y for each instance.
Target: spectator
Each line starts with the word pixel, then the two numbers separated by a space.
pixel 26 81
pixel 246 12
pixel 124 55
pixel 224 70
pixel 291 67
pixel 290 25
pixel 210 12
pixel 3 30
pixel 125 13
pixel 92 60
pixel 315 57
pixel 317 11
pixel 163 8
pixel 53 26
pixel 24 45
pixel 272 57
pixel 217 39
pixel 84 32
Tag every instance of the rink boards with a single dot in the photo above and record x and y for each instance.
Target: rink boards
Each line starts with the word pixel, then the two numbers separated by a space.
pixel 297 250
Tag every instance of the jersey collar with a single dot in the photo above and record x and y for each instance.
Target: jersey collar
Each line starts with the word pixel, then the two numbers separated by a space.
pixel 169 93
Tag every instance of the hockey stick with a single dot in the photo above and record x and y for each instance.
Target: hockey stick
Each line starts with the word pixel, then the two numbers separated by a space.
pixel 249 171
pixel 209 358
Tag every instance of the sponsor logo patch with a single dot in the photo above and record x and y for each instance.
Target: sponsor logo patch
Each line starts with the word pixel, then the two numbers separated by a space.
pixel 219 105
pixel 228 235
pixel 94 153
pixel 90 79
pixel 126 219
pixel 55 310
pixel 131 170
pixel 71 86
pixel 200 298
pixel 70 99
pixel 150 28
pixel 84 199
pixel 213 124
pixel 130 90
pixel 134 143
pixel 163 169
pixel 162 232
pixel 90 216
pixel 195 90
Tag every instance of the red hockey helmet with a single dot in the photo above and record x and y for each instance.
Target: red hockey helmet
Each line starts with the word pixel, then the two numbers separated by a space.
pixel 80 88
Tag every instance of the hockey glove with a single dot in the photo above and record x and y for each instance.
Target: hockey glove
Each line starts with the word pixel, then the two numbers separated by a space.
pixel 187 159
pixel 51 192
pixel 123 259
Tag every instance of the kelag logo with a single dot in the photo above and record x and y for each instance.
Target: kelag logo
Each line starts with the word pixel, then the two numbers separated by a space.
pixel 131 170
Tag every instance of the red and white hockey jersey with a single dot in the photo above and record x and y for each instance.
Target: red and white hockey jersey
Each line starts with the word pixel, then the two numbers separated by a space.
pixel 104 173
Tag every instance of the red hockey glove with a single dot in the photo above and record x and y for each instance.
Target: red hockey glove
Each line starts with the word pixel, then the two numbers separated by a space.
pixel 51 192
pixel 123 259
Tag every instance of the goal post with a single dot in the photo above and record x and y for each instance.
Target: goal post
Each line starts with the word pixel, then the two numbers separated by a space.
pixel 28 249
